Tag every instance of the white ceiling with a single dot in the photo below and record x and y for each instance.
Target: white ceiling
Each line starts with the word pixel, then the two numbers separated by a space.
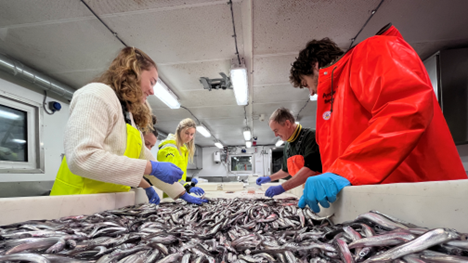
pixel 193 38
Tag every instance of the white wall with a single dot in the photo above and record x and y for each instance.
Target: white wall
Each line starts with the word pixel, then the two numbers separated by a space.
pixel 210 168
pixel 53 127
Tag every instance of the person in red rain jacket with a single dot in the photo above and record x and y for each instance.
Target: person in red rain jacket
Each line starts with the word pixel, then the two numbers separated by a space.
pixel 378 120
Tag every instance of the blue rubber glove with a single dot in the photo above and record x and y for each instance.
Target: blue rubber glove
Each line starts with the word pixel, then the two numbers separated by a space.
pixel 274 190
pixel 262 180
pixel 322 189
pixel 197 191
pixel 153 197
pixel 166 172
pixel 193 200
pixel 194 181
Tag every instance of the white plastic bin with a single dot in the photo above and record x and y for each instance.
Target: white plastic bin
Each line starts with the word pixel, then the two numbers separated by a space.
pixel 209 186
pixel 427 204
pixel 233 186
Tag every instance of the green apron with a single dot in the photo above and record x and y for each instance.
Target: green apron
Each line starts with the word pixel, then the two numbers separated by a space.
pixel 68 183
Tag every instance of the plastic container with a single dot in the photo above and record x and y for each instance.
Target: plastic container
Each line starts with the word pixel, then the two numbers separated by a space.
pixel 233 186
pixel 209 186
pixel 252 179
pixel 428 204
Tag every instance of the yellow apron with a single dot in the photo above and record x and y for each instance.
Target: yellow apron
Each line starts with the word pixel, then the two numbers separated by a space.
pixel 68 183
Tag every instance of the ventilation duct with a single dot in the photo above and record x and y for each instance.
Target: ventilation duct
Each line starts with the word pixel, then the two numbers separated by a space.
pixel 42 81
pixel 30 75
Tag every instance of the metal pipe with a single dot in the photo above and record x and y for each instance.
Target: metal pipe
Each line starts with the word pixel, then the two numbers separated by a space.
pixel 30 75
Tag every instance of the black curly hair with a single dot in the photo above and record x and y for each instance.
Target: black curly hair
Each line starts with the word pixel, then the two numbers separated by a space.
pixel 322 51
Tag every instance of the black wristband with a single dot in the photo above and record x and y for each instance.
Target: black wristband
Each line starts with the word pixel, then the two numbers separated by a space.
pixel 187 187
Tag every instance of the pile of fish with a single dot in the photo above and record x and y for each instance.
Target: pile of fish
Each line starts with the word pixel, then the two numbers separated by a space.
pixel 227 230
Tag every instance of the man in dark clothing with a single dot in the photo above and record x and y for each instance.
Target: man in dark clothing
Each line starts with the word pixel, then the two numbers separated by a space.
pixel 301 156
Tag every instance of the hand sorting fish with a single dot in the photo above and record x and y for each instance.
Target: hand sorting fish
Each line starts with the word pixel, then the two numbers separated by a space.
pixel 227 230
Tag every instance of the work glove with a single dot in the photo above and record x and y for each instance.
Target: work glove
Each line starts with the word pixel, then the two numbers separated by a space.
pixel 153 197
pixel 196 190
pixel 274 190
pixel 322 189
pixel 194 181
pixel 262 180
pixel 193 200
pixel 166 172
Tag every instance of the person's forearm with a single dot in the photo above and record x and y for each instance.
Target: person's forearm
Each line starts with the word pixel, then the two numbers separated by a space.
pixel 279 175
pixel 144 184
pixel 148 168
pixel 299 178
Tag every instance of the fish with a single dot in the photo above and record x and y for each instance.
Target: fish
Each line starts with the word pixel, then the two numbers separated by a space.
pixel 389 239
pixel 225 230
pixel 381 221
pixel 345 254
pixel 432 256
pixel 29 257
pixel 429 239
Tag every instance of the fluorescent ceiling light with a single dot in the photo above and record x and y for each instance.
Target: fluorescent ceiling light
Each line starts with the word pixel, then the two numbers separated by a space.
pixel 239 84
pixel 19 141
pixel 313 97
pixel 203 130
pixel 166 95
pixel 9 115
pixel 219 145
pixel 279 143
pixel 248 144
pixel 247 134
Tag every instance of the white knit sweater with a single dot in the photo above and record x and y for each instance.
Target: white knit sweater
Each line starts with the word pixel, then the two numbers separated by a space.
pixel 96 139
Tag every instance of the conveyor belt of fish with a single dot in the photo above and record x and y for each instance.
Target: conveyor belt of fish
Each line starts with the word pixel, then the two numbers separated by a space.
pixel 227 230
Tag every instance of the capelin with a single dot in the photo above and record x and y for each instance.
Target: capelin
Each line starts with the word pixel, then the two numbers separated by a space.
pixel 381 221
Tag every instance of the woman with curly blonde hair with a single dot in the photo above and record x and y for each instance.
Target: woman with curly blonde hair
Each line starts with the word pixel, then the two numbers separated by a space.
pixel 103 141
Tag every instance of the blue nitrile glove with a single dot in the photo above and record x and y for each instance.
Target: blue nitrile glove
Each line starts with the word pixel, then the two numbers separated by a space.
pixel 193 200
pixel 194 181
pixel 196 190
pixel 262 180
pixel 153 197
pixel 274 190
pixel 166 172
pixel 322 189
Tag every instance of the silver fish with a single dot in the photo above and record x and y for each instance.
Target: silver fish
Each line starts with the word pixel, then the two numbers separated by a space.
pixel 431 238
pixel 413 258
pixel 139 257
pixel 432 256
pixel 24 257
pixel 381 221
pixel 344 251
pixel 171 258
pixel 390 239
pixel 40 243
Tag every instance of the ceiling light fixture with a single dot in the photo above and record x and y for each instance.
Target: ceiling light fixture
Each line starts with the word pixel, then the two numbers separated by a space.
pixel 219 144
pixel 239 84
pixel 166 95
pixel 248 144
pixel 247 134
pixel 279 143
pixel 9 115
pixel 203 130
pixel 313 97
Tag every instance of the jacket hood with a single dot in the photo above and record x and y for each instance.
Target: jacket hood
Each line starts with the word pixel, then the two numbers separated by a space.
pixel 171 138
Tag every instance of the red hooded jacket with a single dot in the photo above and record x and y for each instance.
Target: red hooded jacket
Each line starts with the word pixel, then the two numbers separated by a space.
pixel 384 124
